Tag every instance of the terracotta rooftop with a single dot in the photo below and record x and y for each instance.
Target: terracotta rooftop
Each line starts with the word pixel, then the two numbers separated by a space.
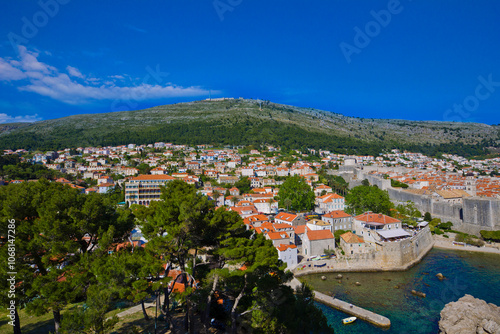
pixel 336 214
pixel 152 177
pixel 352 238
pixel 371 217
pixel 319 235
pixel 278 235
pixel 286 216
pixel 284 247
pixel 301 229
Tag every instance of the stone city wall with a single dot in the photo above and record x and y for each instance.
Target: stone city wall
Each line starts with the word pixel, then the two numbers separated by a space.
pixel 473 215
pixel 388 256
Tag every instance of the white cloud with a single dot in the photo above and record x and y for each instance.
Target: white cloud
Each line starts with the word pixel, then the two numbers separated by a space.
pixel 134 28
pixel 46 80
pixel 74 72
pixel 4 118
pixel 9 72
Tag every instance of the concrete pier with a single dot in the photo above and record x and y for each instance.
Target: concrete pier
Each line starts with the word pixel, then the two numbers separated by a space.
pixel 373 318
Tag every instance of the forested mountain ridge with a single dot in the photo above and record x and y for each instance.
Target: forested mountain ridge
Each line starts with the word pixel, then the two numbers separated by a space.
pixel 244 122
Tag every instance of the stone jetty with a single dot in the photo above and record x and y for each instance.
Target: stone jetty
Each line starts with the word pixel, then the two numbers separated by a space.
pixel 361 313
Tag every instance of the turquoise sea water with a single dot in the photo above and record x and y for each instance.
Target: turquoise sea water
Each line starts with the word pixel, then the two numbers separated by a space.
pixel 389 293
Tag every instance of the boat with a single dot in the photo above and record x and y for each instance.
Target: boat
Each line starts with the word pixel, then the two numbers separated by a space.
pixel 349 320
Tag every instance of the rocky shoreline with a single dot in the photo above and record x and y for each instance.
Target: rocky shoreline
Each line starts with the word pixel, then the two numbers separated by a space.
pixel 470 315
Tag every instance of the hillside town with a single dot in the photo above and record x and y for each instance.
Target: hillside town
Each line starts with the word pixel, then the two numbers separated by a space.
pixel 247 181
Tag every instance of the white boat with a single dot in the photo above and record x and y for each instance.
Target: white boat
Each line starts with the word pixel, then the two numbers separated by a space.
pixel 349 320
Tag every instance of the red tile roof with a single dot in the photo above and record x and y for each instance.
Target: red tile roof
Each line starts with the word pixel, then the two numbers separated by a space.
pixel 281 226
pixel 283 247
pixel 371 217
pixel 352 238
pixel 286 216
pixel 152 177
pixel 278 235
pixel 319 235
pixel 301 229
pixel 331 196
pixel 336 214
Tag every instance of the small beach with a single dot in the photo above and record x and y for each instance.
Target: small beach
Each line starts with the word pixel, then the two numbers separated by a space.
pixel 447 243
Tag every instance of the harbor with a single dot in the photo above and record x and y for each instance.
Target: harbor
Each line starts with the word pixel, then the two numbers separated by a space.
pixel 390 293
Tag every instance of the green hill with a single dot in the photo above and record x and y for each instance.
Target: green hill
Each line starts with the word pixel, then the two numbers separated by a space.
pixel 244 122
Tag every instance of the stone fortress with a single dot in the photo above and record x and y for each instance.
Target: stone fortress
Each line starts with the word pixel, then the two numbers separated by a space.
pixel 471 215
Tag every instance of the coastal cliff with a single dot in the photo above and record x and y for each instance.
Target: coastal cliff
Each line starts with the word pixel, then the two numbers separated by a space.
pixel 470 315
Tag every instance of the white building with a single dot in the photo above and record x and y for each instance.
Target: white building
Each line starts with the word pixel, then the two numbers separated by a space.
pixel 288 254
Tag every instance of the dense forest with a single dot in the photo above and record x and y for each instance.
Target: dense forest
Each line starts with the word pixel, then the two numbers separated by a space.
pixel 11 168
pixel 73 259
pixel 239 133
pixel 244 122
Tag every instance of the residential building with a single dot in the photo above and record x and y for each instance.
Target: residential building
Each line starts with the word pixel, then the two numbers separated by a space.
pixel 353 244
pixel 255 221
pixel 288 254
pixel 300 230
pixel 228 179
pixel 316 242
pixel 105 187
pixel 143 189
pixel 319 190
pixel 338 220
pixel 278 238
pixel 317 224
pixel 285 218
pixel 245 211
pixel 329 202
pixel 265 205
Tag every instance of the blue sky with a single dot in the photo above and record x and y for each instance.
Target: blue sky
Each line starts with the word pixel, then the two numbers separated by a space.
pixel 418 60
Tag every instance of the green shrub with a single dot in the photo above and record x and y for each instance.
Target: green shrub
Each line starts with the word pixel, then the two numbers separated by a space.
pixel 438 231
pixel 446 236
pixel 490 235
pixel 398 184
pixel 475 242
pixel 460 237
pixel 469 239
pixel 329 251
pixel 435 222
pixel 445 226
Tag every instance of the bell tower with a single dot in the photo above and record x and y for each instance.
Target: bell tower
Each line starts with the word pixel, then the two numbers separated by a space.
pixel 470 185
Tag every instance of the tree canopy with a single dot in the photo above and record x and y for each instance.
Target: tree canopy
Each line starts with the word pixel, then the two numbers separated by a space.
pixel 297 194
pixel 368 198
pixel 72 248
pixel 57 229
